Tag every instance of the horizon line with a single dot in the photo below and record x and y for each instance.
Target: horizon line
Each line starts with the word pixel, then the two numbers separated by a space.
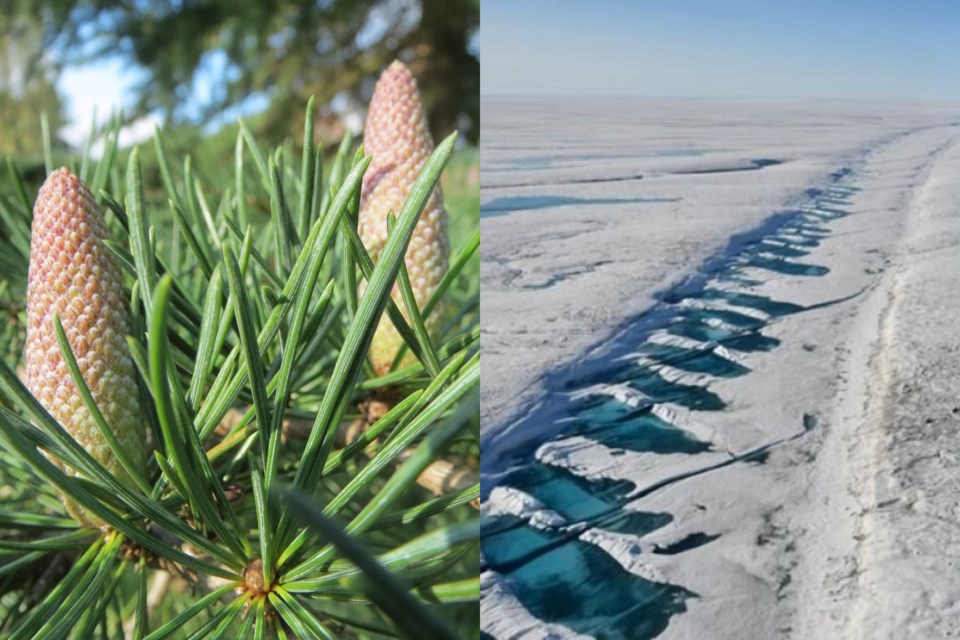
pixel 718 98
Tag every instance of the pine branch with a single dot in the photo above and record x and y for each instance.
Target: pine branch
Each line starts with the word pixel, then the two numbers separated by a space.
pixel 245 298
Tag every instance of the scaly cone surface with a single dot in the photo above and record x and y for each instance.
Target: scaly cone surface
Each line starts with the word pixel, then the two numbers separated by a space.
pixel 397 137
pixel 73 274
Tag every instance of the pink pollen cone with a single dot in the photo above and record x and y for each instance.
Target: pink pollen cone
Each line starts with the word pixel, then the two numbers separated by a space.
pixel 73 274
pixel 398 138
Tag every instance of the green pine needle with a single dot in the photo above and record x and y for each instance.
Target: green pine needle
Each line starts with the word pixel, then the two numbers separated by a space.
pixel 246 328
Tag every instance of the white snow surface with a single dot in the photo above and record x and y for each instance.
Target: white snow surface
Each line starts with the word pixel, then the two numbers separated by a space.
pixel 615 256
pixel 848 530
pixel 510 501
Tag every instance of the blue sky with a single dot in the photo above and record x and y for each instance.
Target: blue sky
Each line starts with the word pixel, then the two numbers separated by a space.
pixel 108 84
pixel 870 49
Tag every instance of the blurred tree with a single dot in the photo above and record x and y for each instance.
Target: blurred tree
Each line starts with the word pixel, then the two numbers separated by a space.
pixel 27 87
pixel 284 50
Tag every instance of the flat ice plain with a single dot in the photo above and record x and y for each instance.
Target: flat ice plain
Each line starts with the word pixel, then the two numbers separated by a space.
pixel 721 369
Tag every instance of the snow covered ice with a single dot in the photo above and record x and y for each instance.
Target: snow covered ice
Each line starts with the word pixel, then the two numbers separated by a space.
pixel 719 364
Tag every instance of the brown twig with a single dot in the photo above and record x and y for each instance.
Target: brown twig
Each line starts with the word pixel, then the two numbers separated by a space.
pixel 158 590
pixel 440 477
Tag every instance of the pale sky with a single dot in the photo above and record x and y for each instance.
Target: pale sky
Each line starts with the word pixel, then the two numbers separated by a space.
pixel 109 84
pixel 104 87
pixel 877 49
